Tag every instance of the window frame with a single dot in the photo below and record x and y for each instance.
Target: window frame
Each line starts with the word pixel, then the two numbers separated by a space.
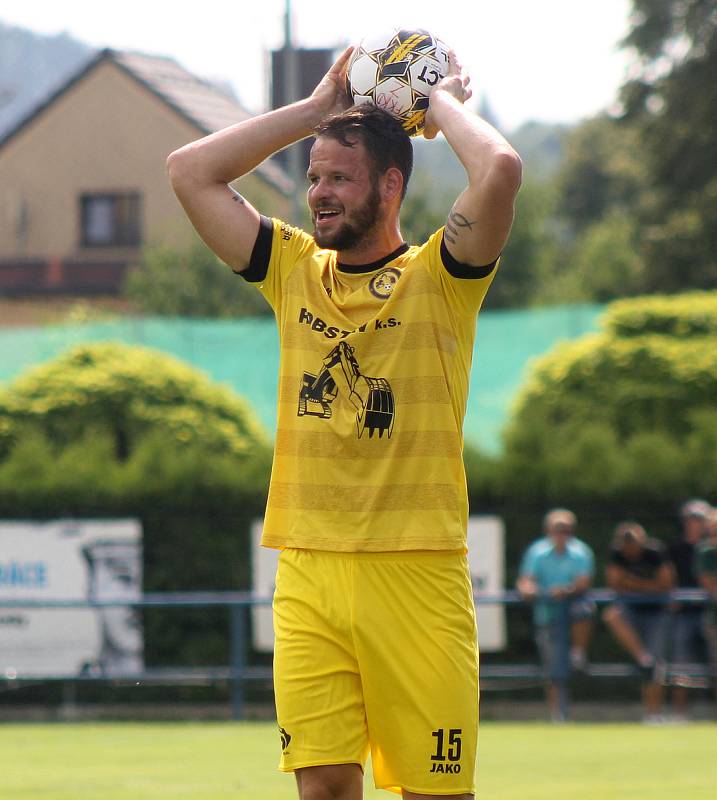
pixel 126 219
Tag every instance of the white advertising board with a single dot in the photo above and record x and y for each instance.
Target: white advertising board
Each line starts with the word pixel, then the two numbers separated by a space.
pixel 70 560
pixel 486 561
pixel 487 567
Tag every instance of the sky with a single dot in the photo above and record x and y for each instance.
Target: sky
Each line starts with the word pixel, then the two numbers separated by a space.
pixel 551 61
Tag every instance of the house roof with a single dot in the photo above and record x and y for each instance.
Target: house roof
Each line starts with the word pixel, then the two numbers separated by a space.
pixel 198 101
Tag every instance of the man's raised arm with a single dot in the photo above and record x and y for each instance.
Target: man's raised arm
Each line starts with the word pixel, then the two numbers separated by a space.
pixel 200 172
pixel 478 225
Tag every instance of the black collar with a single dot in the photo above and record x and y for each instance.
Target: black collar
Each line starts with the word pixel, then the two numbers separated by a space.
pixel 357 269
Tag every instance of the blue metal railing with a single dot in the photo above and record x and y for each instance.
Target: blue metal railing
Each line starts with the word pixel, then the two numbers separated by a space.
pixel 238 672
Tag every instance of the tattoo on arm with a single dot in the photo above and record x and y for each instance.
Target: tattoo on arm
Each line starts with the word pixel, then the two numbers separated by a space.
pixel 237 197
pixel 455 221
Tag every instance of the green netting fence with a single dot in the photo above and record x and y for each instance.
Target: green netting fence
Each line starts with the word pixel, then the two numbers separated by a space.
pixel 244 354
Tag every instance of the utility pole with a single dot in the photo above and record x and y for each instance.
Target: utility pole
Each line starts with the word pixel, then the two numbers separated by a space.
pixel 291 76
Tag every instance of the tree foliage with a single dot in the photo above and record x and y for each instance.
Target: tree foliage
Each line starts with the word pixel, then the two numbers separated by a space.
pixel 622 413
pixel 120 394
pixel 531 256
pixel 672 101
pixel 602 172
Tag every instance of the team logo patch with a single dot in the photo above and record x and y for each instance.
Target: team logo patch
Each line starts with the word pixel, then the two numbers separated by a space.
pixel 285 738
pixel 383 283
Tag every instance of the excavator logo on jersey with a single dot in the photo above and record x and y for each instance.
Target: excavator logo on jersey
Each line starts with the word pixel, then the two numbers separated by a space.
pixel 371 397
pixel 383 283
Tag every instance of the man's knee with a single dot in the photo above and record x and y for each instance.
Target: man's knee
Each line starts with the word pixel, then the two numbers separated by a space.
pixel 611 616
pixel 330 782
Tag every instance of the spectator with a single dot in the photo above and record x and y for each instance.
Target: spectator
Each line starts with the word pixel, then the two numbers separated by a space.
pixel 638 568
pixel 687 639
pixel 561 567
pixel 706 569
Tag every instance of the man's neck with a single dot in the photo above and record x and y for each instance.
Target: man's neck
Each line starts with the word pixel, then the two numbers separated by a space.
pixel 373 247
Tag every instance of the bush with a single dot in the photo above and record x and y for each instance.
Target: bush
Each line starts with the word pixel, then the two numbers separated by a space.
pixel 190 283
pixel 125 392
pixel 623 417
pixel 685 315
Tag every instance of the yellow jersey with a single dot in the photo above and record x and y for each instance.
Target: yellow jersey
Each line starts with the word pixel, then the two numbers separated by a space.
pixel 373 384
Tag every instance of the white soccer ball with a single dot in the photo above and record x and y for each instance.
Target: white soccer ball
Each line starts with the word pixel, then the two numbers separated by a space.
pixel 396 71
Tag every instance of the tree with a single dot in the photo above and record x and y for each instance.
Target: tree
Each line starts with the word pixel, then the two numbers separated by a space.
pixel 603 172
pixel 607 258
pixel 672 99
pixel 424 209
pixel 530 260
pixel 190 283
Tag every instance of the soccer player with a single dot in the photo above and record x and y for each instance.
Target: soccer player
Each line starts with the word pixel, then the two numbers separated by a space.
pixel 373 609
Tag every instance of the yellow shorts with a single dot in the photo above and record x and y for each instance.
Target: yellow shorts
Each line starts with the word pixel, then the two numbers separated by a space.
pixel 378 651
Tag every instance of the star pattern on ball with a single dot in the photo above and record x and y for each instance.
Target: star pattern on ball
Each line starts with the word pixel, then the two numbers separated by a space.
pixel 397 72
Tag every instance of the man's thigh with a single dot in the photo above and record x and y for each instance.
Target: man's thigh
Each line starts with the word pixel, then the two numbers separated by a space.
pixel 416 646
pixel 317 685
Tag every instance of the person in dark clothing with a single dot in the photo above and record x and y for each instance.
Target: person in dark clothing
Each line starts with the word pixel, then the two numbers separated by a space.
pixel 688 644
pixel 639 566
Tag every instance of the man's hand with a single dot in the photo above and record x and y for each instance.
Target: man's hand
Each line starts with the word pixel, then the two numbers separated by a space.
pixel 455 83
pixel 330 96
pixel 527 587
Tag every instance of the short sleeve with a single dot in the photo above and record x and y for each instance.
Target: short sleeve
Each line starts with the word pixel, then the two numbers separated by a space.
pixel 528 562
pixel 463 286
pixel 288 247
pixel 587 560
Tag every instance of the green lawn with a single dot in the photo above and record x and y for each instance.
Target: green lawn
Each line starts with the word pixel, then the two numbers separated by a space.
pixel 218 761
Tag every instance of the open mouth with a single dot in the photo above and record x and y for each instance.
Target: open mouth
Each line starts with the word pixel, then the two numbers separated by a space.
pixel 325 215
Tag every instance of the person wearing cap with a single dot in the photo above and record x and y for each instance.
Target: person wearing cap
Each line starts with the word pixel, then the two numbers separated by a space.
pixel 706 569
pixel 641 575
pixel 688 644
pixel 559 567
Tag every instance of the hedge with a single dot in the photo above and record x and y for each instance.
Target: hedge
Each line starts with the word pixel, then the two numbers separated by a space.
pixel 684 315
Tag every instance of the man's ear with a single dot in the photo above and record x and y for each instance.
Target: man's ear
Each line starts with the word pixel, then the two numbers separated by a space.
pixel 391 184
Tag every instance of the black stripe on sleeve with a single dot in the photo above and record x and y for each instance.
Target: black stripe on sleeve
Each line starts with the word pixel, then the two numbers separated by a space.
pixel 261 254
pixel 458 270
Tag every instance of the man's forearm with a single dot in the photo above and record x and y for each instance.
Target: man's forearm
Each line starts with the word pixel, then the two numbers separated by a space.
pixel 477 144
pixel 232 152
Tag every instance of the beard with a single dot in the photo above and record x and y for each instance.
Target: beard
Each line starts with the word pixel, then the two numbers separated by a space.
pixel 356 228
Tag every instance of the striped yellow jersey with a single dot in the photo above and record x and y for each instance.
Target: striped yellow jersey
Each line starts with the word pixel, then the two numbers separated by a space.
pixel 373 385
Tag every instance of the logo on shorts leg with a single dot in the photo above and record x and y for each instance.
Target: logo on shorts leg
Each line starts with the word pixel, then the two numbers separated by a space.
pixel 448 750
pixel 285 739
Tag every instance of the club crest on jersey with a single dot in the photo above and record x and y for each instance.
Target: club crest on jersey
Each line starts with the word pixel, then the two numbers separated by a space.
pixel 383 283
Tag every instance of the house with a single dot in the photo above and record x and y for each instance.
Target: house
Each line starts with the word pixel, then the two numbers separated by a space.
pixel 83 185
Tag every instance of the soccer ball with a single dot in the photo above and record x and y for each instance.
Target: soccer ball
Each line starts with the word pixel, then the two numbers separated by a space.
pixel 397 71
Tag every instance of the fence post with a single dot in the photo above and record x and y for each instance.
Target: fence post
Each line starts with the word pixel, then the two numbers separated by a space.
pixel 563 657
pixel 238 659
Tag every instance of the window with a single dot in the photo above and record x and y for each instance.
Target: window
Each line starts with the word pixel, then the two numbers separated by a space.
pixel 110 220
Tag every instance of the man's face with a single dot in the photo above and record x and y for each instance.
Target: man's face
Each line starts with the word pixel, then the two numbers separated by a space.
pixel 694 528
pixel 343 194
pixel 559 534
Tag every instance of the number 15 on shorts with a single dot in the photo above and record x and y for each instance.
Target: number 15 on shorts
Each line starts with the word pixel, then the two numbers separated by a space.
pixel 448 750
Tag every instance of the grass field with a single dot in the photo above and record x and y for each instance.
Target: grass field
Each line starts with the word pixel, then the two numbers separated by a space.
pixel 219 761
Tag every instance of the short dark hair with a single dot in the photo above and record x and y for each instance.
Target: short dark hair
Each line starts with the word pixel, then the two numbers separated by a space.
pixel 629 531
pixel 387 144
